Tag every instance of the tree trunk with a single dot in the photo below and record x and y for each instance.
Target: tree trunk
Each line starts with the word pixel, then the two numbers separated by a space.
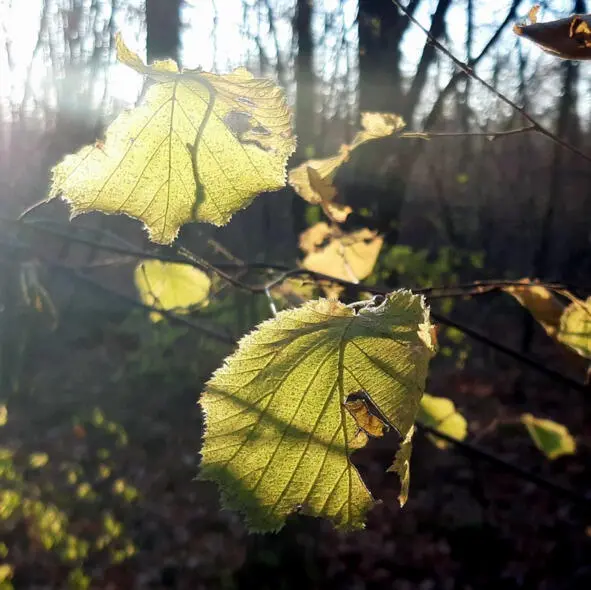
pixel 163 24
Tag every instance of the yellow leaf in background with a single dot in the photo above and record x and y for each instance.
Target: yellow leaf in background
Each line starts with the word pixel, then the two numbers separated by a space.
pixel 571 326
pixel 312 180
pixel 199 148
pixel 350 257
pixel 376 126
pixel 6 573
pixel 540 302
pixel 171 286
pixel 278 436
pixel 575 327
pixel 440 413
pixel 294 291
pixel 553 439
pixel 3 415
pixel 38 460
pixel 568 38
pixel 315 237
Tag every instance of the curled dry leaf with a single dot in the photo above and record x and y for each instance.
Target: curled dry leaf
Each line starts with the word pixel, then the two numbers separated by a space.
pixel 313 180
pixel 279 434
pixel 568 38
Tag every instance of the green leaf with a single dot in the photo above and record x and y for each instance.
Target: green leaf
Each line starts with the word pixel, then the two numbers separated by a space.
pixel 575 327
pixel 199 148
pixel 441 413
pixel 553 439
pixel 3 414
pixel 171 286
pixel 278 433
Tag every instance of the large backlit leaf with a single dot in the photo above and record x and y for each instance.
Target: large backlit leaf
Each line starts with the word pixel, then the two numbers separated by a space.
pixel 279 434
pixel 441 414
pixel 199 148
pixel 312 180
pixel 171 286
pixel 401 465
pixel 553 439
pixel 347 256
pixel 569 38
pixel 575 327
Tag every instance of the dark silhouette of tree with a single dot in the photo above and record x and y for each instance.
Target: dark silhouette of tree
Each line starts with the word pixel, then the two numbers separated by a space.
pixel 163 24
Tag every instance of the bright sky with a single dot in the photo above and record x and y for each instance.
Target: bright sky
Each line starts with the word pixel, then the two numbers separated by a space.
pixel 218 37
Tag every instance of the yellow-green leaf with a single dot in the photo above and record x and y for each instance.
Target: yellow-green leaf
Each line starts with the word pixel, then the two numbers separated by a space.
pixel 278 433
pixel 540 302
pixel 441 413
pixel 575 327
pixel 312 180
pixel 38 460
pixel 6 572
pixel 3 414
pixel 199 148
pixel 347 256
pixel 553 439
pixel 171 286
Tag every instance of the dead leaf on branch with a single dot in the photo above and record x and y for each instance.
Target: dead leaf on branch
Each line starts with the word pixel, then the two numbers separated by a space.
pixel 569 325
pixel 568 38
pixel 313 180
pixel 199 148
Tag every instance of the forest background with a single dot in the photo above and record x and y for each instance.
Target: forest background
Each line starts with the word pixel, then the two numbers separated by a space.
pixel 88 373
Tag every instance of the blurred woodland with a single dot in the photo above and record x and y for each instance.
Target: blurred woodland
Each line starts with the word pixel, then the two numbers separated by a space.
pixel 457 208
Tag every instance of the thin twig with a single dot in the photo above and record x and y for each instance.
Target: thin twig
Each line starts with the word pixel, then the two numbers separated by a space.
pixel 472 74
pixel 488 134
pixel 474 451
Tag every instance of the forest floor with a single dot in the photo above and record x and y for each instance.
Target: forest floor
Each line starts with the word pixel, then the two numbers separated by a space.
pixel 112 404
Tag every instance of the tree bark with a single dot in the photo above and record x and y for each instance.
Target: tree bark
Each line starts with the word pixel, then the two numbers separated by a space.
pixel 163 24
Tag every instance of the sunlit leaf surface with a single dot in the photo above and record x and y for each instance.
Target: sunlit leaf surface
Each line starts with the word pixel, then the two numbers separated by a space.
pixel 553 439
pixel 279 434
pixel 171 286
pixel 199 148
pixel 441 413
